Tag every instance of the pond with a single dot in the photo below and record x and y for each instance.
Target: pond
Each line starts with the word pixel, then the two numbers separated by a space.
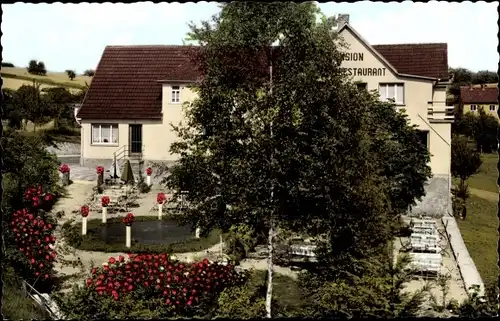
pixel 147 232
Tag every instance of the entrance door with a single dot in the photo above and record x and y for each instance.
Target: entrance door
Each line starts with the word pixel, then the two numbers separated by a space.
pixel 135 137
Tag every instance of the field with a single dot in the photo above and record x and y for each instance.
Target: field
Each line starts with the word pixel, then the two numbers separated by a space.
pixel 479 229
pixel 15 77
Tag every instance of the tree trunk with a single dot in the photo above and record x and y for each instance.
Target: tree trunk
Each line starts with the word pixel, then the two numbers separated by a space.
pixel 34 127
pixel 270 250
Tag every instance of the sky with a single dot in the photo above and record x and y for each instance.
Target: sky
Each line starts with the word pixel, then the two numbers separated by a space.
pixel 73 36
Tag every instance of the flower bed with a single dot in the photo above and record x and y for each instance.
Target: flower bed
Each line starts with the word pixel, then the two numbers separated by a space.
pixel 92 242
pixel 150 285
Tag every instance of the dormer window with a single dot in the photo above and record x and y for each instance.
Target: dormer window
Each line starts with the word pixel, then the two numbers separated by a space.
pixel 176 94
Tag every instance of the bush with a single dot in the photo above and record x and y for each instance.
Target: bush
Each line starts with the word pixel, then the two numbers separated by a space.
pixel 72 233
pixel 149 286
pixel 377 290
pixel 240 241
pixel 37 68
pixel 27 164
pixel 7 64
pixel 71 74
pixel 89 73
pixel 247 300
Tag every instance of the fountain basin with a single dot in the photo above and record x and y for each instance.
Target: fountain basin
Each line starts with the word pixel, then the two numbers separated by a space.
pixel 146 232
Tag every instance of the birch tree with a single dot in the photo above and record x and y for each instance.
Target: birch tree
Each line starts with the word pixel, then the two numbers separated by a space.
pixel 279 137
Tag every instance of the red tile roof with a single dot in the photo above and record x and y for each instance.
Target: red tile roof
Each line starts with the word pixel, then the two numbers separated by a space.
pixel 426 59
pixel 470 95
pixel 126 83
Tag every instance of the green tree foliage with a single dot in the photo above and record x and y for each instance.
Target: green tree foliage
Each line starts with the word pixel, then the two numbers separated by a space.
pixel 34 107
pixel 71 74
pixel 89 72
pixel 37 68
pixel 7 64
pixel 339 162
pixel 61 100
pixel 482 128
pixel 485 77
pixel 465 162
pixel 13 115
pixel 334 165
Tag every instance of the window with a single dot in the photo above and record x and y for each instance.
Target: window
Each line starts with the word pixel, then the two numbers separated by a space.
pixel 392 92
pixel 423 136
pixel 361 85
pixel 176 94
pixel 473 107
pixel 493 108
pixel 105 134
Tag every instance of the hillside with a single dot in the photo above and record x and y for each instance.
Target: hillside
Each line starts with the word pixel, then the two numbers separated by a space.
pixel 14 78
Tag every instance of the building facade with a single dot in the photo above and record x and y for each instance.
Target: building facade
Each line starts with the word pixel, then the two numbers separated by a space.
pixel 138 92
pixel 475 97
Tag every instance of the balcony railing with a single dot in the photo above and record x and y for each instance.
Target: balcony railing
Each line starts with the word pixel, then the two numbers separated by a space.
pixel 437 110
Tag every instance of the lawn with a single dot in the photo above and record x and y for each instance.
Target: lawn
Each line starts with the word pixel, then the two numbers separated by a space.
pixel 479 230
pixel 16 77
pixel 487 177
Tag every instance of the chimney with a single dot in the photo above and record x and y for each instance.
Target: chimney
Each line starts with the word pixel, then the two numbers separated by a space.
pixel 342 19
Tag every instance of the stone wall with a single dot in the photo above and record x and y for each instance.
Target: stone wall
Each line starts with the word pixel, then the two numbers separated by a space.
pixel 437 201
pixel 65 149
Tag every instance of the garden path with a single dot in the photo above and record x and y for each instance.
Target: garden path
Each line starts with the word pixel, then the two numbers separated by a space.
pixel 487 195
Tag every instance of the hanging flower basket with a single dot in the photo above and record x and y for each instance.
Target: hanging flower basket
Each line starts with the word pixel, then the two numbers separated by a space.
pixel 84 210
pixel 129 219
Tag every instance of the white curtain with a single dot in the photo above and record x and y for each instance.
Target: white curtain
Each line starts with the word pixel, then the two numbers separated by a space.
pixel 95 134
pixel 400 93
pixel 391 92
pixel 115 134
pixel 106 134
pixel 382 89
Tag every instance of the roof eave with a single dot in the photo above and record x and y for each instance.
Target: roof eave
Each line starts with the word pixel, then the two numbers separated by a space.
pixel 178 81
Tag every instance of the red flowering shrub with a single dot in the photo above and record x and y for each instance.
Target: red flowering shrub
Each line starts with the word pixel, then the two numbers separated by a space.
pixel 36 198
pixel 161 198
pixel 84 210
pixel 100 170
pixel 149 171
pixel 64 168
pixel 33 230
pixel 129 219
pixel 105 201
pixel 182 289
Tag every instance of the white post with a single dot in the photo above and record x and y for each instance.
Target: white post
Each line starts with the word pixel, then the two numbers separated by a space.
pixel 160 210
pixel 128 236
pixel 197 233
pixel 84 226
pixel 148 180
pixel 104 214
